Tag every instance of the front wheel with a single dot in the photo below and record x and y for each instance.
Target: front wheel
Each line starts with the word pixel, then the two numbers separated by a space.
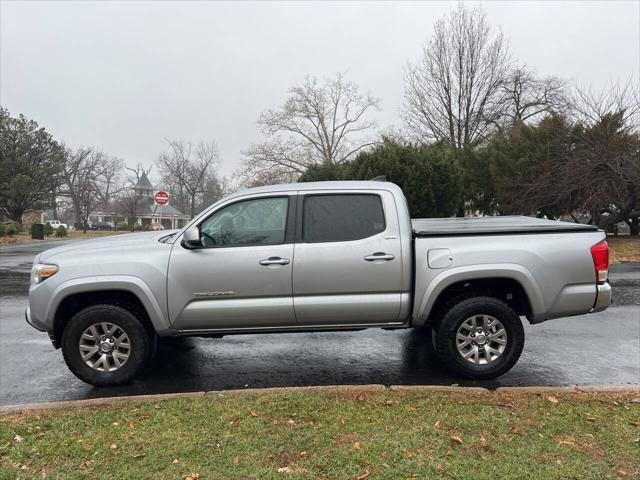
pixel 480 338
pixel 106 345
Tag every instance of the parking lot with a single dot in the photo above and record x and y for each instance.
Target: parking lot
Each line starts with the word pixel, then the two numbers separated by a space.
pixel 599 349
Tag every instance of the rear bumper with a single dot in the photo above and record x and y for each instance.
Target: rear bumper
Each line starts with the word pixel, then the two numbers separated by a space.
pixel 603 298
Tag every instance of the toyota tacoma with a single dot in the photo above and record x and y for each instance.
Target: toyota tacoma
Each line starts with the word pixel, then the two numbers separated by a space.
pixel 311 257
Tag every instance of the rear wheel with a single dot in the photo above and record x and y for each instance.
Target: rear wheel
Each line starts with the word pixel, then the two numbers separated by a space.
pixel 480 338
pixel 106 345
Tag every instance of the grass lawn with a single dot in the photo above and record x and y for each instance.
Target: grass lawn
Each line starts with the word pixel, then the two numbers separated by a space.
pixel 339 434
pixel 624 248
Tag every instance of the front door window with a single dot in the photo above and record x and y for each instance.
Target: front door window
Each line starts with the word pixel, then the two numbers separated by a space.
pixel 260 221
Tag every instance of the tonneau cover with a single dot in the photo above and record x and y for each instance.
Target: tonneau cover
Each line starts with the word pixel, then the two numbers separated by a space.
pixel 512 224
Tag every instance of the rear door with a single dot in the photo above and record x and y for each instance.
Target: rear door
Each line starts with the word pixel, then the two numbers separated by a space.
pixel 348 263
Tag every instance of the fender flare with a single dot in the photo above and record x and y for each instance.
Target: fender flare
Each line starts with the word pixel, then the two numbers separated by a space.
pixel 453 275
pixel 129 283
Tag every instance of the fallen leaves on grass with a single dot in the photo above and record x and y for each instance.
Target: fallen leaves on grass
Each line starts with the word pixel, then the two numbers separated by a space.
pixel 254 414
pixel 18 438
pixel 113 446
pixel 192 476
pixel 363 476
pixel 553 399
pixel 356 445
pixel 456 439
pixel 485 445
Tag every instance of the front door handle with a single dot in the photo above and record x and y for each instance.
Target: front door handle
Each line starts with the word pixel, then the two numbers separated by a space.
pixel 274 261
pixel 379 256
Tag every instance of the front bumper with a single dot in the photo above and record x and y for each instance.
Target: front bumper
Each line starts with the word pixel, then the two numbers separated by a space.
pixel 603 298
pixel 27 317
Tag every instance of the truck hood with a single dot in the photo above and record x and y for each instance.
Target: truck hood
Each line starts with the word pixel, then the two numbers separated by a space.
pixel 97 245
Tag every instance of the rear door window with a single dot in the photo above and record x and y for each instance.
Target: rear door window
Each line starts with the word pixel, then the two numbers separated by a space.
pixel 341 217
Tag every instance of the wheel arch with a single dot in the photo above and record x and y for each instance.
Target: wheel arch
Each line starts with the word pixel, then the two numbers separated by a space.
pixel 131 293
pixel 512 283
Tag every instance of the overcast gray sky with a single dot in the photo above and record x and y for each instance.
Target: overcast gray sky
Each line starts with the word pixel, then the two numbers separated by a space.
pixel 124 76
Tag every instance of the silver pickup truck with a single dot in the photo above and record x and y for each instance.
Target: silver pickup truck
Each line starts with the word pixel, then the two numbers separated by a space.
pixel 317 257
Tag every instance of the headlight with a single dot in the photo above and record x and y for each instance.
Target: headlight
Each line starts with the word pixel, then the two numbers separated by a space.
pixel 42 271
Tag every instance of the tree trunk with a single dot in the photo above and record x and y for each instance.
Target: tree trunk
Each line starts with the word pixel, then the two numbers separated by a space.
pixel 16 214
pixel 634 226
pixel 54 204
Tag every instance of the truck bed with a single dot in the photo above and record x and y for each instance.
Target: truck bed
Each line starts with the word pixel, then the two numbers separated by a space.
pixel 502 225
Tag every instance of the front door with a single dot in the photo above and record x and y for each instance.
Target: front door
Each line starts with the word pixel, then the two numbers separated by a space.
pixel 348 262
pixel 242 275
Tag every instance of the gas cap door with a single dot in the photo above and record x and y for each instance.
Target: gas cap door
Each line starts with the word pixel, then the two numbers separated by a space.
pixel 439 258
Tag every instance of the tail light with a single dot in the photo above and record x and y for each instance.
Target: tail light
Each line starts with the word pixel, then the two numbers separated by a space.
pixel 600 255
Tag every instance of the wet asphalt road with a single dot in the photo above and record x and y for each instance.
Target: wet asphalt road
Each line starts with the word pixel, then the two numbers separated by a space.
pixel 597 349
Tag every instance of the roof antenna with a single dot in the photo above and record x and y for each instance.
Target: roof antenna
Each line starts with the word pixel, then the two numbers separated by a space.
pixel 379 178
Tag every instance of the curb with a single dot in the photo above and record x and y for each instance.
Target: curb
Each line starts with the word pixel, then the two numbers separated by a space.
pixel 574 389
pixel 439 388
pixel 97 402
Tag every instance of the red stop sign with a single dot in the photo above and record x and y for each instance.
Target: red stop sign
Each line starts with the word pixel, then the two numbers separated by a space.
pixel 162 198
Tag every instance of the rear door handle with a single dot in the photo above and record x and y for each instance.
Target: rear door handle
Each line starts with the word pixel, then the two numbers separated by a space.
pixel 379 256
pixel 274 261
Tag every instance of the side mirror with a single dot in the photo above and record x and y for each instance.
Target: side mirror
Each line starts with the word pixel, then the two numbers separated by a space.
pixel 191 238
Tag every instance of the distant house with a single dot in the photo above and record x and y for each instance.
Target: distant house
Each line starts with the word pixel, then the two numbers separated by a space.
pixel 146 211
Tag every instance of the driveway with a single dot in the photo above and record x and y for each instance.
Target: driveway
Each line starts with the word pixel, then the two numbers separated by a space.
pixel 598 349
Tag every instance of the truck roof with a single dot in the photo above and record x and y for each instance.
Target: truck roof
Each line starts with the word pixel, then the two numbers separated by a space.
pixel 330 185
pixel 507 224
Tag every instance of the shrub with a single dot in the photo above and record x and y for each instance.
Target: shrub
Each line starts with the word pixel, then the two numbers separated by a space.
pixel 48 229
pixel 3 230
pixel 61 231
pixel 12 229
pixel 137 227
pixel 122 226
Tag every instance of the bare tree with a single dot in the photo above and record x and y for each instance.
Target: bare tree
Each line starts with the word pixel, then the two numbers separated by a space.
pixel 590 106
pixel 587 166
pixel 109 180
pixel 608 169
pixel 319 123
pixel 524 97
pixel 127 205
pixel 185 169
pixel 82 173
pixel 137 172
pixel 452 92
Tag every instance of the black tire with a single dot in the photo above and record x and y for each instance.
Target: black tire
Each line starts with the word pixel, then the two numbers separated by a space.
pixel 142 343
pixel 447 329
